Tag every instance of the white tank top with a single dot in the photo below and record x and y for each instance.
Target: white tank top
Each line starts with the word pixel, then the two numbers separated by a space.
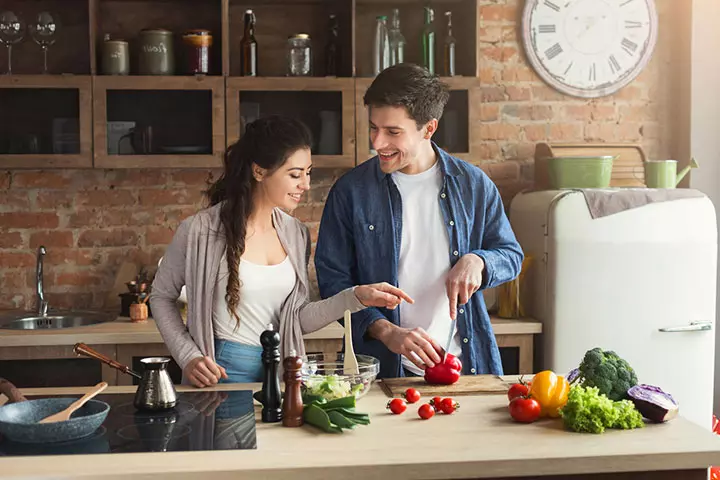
pixel 263 291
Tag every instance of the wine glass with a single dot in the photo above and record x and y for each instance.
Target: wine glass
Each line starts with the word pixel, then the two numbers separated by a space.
pixel 43 30
pixel 12 31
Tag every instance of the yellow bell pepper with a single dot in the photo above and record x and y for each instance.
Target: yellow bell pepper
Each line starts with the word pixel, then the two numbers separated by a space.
pixel 551 392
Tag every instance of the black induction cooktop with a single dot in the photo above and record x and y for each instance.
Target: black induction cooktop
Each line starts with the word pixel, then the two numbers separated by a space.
pixel 200 421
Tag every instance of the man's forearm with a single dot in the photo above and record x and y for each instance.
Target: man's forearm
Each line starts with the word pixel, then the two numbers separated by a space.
pixel 381 329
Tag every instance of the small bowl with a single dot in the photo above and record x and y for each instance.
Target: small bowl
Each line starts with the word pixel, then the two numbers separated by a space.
pixel 315 366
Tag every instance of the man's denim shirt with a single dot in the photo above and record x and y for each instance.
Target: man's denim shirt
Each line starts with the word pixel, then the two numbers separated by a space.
pixel 359 243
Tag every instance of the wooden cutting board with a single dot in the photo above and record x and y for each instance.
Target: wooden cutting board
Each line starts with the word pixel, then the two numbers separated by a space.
pixel 467 385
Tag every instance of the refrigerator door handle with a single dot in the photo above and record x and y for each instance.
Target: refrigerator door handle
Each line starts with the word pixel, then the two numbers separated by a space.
pixel 693 327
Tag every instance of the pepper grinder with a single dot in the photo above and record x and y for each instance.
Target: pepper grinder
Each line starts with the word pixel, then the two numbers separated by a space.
pixel 292 407
pixel 271 397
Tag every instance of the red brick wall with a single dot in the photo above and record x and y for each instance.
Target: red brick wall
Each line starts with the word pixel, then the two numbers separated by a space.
pixel 92 220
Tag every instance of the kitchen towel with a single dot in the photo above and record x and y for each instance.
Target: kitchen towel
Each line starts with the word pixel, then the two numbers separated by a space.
pixel 603 202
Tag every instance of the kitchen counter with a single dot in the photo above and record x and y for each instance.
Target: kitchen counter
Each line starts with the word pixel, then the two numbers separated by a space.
pixel 479 441
pixel 123 331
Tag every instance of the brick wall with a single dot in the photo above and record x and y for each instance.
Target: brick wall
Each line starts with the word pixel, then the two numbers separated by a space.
pixel 92 220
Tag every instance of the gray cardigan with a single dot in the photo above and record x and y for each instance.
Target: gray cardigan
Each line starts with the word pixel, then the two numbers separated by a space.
pixel 193 259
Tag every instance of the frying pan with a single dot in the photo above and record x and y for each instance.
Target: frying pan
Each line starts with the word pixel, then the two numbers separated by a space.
pixel 19 419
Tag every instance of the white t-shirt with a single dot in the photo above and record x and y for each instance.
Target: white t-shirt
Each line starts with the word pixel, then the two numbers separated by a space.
pixel 263 290
pixel 424 258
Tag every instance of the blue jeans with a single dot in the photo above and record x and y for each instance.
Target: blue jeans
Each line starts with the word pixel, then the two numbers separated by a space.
pixel 243 363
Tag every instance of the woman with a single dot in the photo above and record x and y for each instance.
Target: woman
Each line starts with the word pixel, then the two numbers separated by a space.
pixel 244 263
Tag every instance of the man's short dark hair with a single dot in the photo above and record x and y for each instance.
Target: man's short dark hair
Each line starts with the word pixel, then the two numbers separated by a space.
pixel 411 86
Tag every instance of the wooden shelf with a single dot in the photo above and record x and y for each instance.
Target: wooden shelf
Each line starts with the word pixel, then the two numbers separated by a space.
pixel 297 86
pixel 44 83
pixel 276 20
pixel 105 85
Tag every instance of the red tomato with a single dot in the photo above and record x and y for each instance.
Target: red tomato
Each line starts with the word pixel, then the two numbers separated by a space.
pixel 426 411
pixel 524 409
pixel 411 395
pixel 518 390
pixel 397 406
pixel 435 402
pixel 448 405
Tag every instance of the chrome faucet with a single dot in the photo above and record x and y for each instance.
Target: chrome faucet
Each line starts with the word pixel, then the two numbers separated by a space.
pixel 42 304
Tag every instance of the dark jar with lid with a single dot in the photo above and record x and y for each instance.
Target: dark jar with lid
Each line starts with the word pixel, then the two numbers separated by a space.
pixel 197 45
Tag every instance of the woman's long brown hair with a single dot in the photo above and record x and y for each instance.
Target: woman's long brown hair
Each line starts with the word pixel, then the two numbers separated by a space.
pixel 267 143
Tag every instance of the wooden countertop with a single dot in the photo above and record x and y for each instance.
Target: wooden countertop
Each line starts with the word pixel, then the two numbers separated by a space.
pixel 479 441
pixel 122 331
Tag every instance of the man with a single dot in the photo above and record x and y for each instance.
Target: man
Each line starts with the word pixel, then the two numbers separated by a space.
pixel 418 218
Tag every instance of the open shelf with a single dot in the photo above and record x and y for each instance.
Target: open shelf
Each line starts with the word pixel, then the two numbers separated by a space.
pixel 465 23
pixel 209 111
pixel 124 20
pixel 143 122
pixel 277 20
pixel 326 105
pixel 45 121
pixel 71 51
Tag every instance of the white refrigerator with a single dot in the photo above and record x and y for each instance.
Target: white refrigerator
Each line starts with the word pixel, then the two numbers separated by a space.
pixel 641 282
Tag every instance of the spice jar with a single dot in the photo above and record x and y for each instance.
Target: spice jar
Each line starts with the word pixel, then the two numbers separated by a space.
pixel 156 53
pixel 299 55
pixel 197 51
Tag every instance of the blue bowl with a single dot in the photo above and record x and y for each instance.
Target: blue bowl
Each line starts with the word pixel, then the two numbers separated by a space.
pixel 19 421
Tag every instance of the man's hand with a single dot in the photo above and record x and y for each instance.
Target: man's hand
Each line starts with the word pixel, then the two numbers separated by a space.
pixel 203 372
pixel 463 281
pixel 415 344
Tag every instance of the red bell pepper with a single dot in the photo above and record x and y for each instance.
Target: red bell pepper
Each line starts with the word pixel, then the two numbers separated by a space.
pixel 445 373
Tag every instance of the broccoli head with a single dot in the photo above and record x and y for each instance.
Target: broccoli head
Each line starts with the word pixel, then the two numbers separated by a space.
pixel 612 375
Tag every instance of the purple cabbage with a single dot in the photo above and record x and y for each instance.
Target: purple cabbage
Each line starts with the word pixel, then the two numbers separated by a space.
pixel 653 403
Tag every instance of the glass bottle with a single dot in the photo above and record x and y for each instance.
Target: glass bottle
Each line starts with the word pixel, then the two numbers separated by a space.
pixel 397 40
pixel 428 41
pixel 248 47
pixel 332 48
pixel 381 50
pixel 449 57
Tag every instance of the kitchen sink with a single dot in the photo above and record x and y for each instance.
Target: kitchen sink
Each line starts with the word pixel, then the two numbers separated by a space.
pixel 53 320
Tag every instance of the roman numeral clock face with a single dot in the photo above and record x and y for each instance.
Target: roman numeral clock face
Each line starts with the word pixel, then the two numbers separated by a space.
pixel 589 48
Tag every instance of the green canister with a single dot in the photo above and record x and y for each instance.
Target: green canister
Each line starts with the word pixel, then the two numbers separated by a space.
pixel 156 54
pixel 115 57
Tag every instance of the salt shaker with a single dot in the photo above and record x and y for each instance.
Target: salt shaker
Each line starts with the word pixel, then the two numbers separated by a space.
pixel 292 407
pixel 271 397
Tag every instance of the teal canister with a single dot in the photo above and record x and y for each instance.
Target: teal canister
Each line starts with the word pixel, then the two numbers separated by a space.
pixel 156 54
pixel 115 58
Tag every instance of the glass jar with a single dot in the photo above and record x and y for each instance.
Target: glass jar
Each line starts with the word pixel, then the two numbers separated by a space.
pixel 299 55
pixel 197 51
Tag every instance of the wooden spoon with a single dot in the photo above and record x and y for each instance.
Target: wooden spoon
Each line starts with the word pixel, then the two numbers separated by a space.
pixel 65 414
pixel 350 364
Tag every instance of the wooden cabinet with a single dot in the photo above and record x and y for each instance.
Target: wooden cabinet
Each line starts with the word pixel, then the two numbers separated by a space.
pixel 77 117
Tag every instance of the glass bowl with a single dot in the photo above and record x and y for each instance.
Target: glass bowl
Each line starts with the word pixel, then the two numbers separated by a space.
pixel 325 377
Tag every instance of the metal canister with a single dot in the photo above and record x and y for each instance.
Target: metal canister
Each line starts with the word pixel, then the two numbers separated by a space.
pixel 299 55
pixel 156 54
pixel 115 57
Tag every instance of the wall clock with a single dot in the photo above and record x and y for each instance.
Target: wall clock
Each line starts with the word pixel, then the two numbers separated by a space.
pixel 589 48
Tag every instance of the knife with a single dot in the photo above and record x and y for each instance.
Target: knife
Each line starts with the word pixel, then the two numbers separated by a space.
pixel 450 337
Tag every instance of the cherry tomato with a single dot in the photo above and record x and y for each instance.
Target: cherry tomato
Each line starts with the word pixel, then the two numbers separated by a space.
pixel 426 411
pixel 448 405
pixel 524 409
pixel 397 406
pixel 435 403
pixel 518 390
pixel 411 395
